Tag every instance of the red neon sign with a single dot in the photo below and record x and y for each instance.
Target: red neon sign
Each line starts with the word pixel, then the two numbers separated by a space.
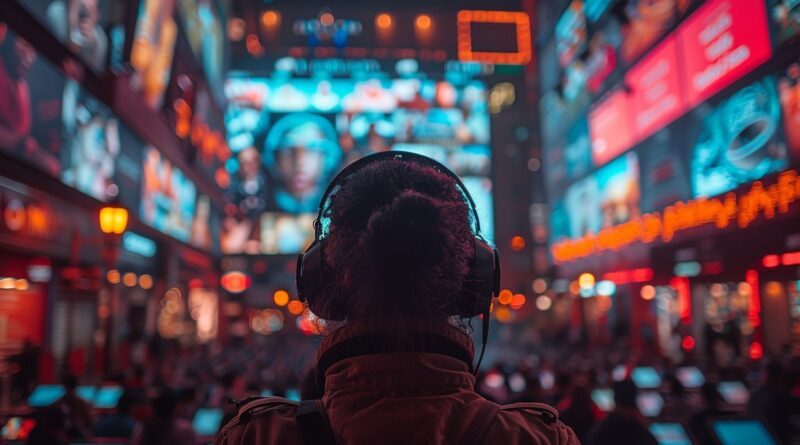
pixel 681 286
pixel 630 276
pixel 754 311
pixel 721 42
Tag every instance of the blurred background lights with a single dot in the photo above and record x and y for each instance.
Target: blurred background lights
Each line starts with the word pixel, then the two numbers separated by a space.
pixel 648 292
pixel 280 297
pixel 543 302
pixel 586 280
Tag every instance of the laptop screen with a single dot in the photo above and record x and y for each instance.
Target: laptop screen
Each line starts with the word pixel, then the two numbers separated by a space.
pixel 670 433
pixel 742 432
pixel 207 421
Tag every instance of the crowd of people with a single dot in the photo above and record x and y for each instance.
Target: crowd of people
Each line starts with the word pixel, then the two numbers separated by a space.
pixel 160 401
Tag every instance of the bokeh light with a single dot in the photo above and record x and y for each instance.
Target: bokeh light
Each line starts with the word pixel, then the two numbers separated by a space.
pixel 543 302
pixel 295 307
pixel 505 296
pixel 129 279
pixel 113 276
pixel 648 292
pixel 383 21
pixel 423 22
pixel 280 297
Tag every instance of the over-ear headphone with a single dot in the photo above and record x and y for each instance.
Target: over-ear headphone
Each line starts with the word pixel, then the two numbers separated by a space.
pixel 312 276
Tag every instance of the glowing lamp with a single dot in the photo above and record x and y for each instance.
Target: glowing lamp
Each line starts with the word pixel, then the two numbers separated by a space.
pixel 383 21
pixel 517 243
pixel 423 22
pixel 113 220
pixel 688 343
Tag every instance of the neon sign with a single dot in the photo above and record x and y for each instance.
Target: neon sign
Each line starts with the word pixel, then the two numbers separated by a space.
pixel 520 20
pixel 744 209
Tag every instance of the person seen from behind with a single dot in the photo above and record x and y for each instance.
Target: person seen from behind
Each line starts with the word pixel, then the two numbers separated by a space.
pixel 399 253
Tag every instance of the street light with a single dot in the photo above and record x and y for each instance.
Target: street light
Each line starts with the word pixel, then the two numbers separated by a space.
pixel 113 219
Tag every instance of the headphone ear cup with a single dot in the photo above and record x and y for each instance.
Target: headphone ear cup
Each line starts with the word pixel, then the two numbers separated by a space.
pixel 483 281
pixel 311 278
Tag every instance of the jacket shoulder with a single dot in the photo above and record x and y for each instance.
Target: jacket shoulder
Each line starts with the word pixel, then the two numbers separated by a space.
pixel 259 421
pixel 530 423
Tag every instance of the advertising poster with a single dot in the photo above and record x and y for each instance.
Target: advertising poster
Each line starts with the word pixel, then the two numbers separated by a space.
pixel 80 24
pixel 665 173
pixel 740 140
pixel 608 197
pixel 291 136
pixel 570 33
pixel 30 110
pixel 169 198
pixel 646 21
pixel 655 89
pixel 610 127
pixel 722 41
pixel 153 49
pixel 785 16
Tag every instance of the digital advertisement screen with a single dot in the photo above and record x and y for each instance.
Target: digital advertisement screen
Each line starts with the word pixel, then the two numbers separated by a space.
pixel 785 19
pixel 204 24
pixel 654 87
pixel 607 197
pixel 720 42
pixel 646 22
pixel 153 49
pixel 654 81
pixel 610 127
pixel 290 136
pixel 571 33
pixel 30 112
pixel 740 140
pixel 87 27
pixel 51 122
pixel 169 198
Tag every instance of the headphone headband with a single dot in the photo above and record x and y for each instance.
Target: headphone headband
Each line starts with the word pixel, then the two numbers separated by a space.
pixel 353 168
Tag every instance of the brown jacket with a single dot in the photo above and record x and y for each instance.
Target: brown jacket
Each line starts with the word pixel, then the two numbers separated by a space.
pixel 398 398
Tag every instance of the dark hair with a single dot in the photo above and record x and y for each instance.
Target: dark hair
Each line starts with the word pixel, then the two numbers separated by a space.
pixel 400 242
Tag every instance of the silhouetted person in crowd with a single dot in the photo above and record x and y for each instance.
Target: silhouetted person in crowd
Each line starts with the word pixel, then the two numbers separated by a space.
pixel 399 252
pixel 50 428
pixel 120 423
pixel 712 407
pixel 165 428
pixel 773 403
pixel 675 403
pixel 624 425
pixel 580 414
pixel 78 416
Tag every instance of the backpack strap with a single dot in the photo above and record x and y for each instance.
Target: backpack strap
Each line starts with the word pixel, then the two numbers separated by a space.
pixel 479 427
pixel 313 422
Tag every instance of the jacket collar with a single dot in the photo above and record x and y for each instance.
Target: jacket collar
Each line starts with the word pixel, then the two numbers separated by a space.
pixel 347 357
